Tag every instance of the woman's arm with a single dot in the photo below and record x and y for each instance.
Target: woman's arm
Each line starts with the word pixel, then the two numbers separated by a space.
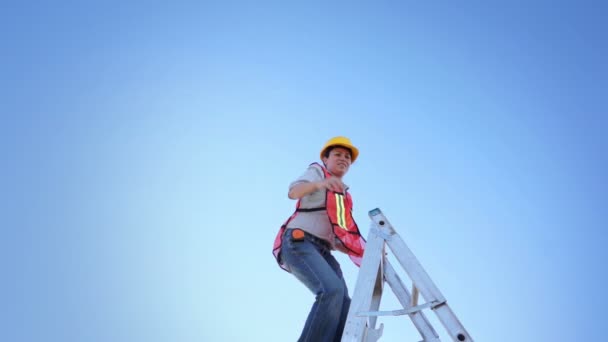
pixel 303 189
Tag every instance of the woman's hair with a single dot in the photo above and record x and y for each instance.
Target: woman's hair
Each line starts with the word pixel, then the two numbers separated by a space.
pixel 328 150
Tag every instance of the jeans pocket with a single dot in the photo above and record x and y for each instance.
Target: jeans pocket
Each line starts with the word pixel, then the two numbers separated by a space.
pixel 295 246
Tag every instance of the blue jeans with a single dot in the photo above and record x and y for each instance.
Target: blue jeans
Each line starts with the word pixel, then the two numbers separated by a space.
pixel 311 262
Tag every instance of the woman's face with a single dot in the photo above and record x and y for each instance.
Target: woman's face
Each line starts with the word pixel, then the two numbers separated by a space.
pixel 338 161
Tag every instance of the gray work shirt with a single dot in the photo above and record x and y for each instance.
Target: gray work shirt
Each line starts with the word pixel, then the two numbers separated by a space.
pixel 315 222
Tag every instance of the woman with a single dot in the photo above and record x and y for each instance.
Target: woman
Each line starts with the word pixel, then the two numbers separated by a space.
pixel 322 222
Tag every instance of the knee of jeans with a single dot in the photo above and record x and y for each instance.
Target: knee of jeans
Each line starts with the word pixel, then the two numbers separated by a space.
pixel 334 292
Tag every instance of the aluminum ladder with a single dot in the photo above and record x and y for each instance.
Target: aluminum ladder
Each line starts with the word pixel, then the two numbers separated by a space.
pixel 375 270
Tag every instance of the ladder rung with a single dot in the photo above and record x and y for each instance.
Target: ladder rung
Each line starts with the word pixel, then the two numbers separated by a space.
pixel 401 312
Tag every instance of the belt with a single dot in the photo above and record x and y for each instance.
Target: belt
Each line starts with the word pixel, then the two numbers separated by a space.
pixel 312 238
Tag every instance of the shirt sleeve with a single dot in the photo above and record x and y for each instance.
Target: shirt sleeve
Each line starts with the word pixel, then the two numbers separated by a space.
pixel 312 174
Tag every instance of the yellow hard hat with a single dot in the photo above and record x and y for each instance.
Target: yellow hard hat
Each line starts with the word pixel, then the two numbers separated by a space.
pixel 343 142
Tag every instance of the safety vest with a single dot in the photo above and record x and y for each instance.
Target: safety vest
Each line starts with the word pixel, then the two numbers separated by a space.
pixel 339 208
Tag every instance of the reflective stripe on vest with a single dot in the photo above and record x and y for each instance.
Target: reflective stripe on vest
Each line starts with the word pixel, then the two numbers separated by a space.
pixel 340 212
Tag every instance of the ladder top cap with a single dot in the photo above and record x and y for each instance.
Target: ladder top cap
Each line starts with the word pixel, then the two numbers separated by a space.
pixel 375 212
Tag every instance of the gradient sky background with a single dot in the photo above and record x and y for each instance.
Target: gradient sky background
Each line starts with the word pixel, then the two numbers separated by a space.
pixel 147 150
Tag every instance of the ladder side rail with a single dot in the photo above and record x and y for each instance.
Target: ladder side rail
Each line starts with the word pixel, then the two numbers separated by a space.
pixel 428 289
pixel 371 333
pixel 451 324
pixel 419 319
pixel 355 326
pixel 378 290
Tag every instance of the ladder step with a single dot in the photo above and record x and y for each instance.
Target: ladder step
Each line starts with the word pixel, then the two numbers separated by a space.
pixel 401 312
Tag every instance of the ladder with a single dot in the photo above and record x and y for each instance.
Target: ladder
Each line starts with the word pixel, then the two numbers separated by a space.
pixel 375 270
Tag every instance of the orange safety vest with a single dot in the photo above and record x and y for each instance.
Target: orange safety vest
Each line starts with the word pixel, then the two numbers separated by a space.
pixel 339 208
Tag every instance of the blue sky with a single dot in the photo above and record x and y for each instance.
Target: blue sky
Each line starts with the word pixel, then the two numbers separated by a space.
pixel 147 150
